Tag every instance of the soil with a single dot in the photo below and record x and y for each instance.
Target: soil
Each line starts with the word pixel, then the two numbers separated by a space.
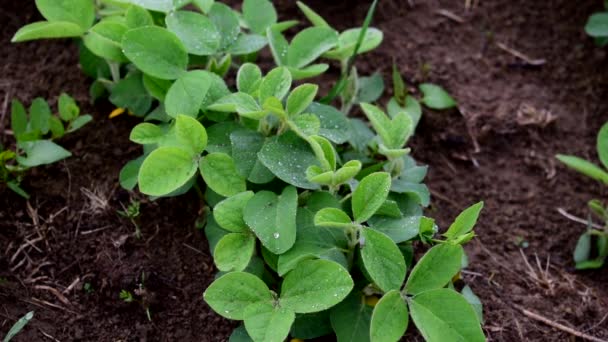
pixel 68 234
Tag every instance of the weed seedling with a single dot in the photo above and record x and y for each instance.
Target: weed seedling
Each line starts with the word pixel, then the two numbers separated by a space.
pixel 132 213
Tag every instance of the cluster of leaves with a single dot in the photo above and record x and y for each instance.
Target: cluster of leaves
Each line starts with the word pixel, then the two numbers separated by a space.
pixel 34 135
pixel 312 216
pixel 597 26
pixel 592 247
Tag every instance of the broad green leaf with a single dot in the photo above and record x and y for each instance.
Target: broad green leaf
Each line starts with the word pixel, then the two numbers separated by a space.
pixel 398 229
pixel 597 25
pixel 288 157
pixel 382 260
pixel 266 322
pixel 586 168
pixel 165 170
pixel 277 83
pixel 56 127
pixel 40 114
pixel 219 138
pixel 129 172
pixel 226 22
pixel 435 97
pixel 369 195
pixel 239 334
pixel 278 46
pixel 247 43
pixel 220 174
pixel 191 134
pixel 312 16
pixel 156 87
pixel 232 293
pixel 273 218
pixel 229 212
pixel 213 232
pixel 437 324
pixel 351 319
pixel 248 78
pixel 68 109
pixel 332 217
pixel 146 133
pixel 395 132
pixel 18 118
pixel 80 12
pixel 105 39
pixel 241 103
pixel 315 285
pixel 18 326
pixel 309 44
pixel 310 71
pixel 306 125
pixel 233 252
pixel 187 93
pixel 475 302
pixel 131 94
pixel 196 31
pixel 217 90
pixel 47 29
pixel 137 16
pixel 245 148
pixel 465 222
pixel 259 15
pixel 156 51
pixel 370 88
pixel 41 152
pixel 602 145
pixel 435 269
pixel 301 98
pixel 348 41
pixel 389 319
pixel 334 124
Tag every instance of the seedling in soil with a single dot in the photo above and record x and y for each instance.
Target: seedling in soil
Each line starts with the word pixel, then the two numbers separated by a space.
pixel 88 288
pixel 592 247
pixel 132 213
pixel 34 136
pixel 139 295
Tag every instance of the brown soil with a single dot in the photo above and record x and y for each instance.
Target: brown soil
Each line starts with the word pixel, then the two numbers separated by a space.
pixel 482 151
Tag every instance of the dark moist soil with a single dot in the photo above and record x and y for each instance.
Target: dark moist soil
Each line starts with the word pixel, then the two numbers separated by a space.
pixel 499 146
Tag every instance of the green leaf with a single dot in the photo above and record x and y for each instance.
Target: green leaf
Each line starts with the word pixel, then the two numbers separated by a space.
pixel 130 93
pixel 582 252
pixel 229 212
pixel 435 97
pixel 602 145
pixel 213 232
pixel 277 83
pixel 435 269
pixel 220 174
pixel 586 168
pixel 301 98
pixel 204 5
pixel 259 15
pixel 347 43
pixel 332 217
pixel 395 132
pixel 312 16
pixel 18 118
pixel 369 195
pixel 232 293
pixel 309 44
pixel 165 170
pixel 156 52
pixel 288 157
pixel 156 87
pixel 137 16
pixel 105 38
pixel 306 125
pixel 47 29
pixel 278 45
pixel 129 172
pixel 315 285
pixel 245 148
pixel 41 152
pixel 310 71
pixel 190 134
pixel 273 218
pixel 334 124
pixel 233 252
pixel 347 171
pixel 146 133
pixel 239 334
pixel 382 260
pixel 370 88
pixel 475 302
pixel 437 324
pixel 196 31
pixel 247 43
pixel 164 6
pixel 226 22
pixel 389 319
pixel 187 93
pixel 597 25
pixel 248 78
pixel 14 186
pixel 311 326
pixel 68 109
pixel 351 319
pixel 219 137
pixel 18 326
pixel 80 12
pixel 465 222
pixel 266 322
pixel 40 114
pixel 241 103
pixel 56 127
pixel 398 229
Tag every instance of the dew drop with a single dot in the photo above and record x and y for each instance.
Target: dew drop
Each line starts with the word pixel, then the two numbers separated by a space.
pixel 276 235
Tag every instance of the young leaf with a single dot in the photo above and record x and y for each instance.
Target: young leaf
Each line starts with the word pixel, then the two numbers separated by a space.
pixel 273 218
pixel 300 98
pixel 137 16
pixel 277 83
pixel 307 125
pixel 229 212
pixel 278 45
pixel 187 93
pixel 309 44
pixel 47 29
pixel 475 302
pixel 40 114
pixel 129 172
pixel 370 88
pixel 586 168
pixel 190 134
pixel 105 38
pixel 315 285
pixel 436 97
pixel 18 326
pixel 146 133
pixel 351 319
pixel 348 42
pixel 582 252
pixel 232 293
pixel 332 217
pixel 248 78
pixel 389 319
pixel 226 22
pixel 602 145
pixel 597 25
pixel 259 15
pixel 347 172
pixel 465 222
pixel 234 251
pixel 80 12
pixel 382 260
pixel 398 229
pixel 437 324
pixel 18 118
pixel 266 322
pixel 369 195
pixel 310 71
pixel 435 268
pixel 68 109
pixel 245 147
pixel 312 16
pixel 241 103
pixel 334 124
pixel 156 51
pixel 220 174
pixel 247 43
pixel 196 31
pixel 41 152
pixel 165 170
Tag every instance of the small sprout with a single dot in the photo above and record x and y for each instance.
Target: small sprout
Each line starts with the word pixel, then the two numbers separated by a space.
pixel 126 296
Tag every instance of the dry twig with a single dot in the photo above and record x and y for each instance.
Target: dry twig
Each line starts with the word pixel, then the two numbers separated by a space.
pixel 525 58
